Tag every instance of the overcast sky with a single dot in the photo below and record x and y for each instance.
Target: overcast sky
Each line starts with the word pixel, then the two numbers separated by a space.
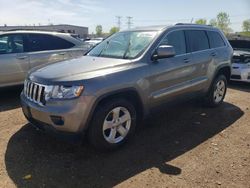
pixel 92 12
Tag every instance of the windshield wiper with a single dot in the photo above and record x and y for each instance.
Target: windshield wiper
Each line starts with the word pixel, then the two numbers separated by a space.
pixel 127 50
pixel 107 44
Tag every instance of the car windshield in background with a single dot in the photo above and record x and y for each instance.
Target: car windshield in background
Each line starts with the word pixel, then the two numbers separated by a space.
pixel 240 44
pixel 124 45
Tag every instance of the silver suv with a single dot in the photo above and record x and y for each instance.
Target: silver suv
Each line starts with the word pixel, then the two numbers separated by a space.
pixel 125 78
pixel 20 51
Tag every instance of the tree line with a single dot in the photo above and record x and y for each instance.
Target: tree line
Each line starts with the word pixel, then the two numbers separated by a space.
pixel 222 21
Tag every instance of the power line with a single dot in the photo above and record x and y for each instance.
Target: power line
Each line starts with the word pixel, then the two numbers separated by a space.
pixel 119 22
pixel 129 21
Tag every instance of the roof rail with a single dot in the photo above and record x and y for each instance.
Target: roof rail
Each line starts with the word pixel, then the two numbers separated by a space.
pixel 193 24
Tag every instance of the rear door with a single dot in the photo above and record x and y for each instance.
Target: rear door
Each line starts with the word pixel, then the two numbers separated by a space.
pixel 14 61
pixel 172 77
pixel 198 46
pixel 46 49
pixel 219 49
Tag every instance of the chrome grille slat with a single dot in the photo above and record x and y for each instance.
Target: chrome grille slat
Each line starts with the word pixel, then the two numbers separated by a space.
pixel 39 94
pixel 34 92
pixel 27 89
pixel 30 90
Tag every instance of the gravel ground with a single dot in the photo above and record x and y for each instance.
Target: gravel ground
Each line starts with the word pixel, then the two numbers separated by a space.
pixel 186 146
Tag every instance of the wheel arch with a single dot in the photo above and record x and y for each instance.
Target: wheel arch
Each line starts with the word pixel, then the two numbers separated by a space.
pixel 129 94
pixel 225 70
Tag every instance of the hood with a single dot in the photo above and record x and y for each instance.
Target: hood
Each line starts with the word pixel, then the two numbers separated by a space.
pixel 241 52
pixel 82 68
pixel 241 57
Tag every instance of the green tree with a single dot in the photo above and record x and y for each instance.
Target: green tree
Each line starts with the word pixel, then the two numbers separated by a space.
pixel 213 22
pixel 98 30
pixel 246 25
pixel 113 30
pixel 223 22
pixel 201 21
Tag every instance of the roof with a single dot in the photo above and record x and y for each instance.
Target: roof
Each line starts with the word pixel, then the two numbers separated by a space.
pixel 35 32
pixel 164 27
pixel 41 26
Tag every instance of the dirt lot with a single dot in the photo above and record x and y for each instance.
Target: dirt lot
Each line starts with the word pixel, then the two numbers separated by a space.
pixel 187 146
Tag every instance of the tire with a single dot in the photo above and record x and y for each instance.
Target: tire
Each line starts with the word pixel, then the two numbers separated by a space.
pixel 112 125
pixel 217 92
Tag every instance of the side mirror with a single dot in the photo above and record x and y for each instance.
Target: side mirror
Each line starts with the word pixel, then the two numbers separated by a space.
pixel 163 51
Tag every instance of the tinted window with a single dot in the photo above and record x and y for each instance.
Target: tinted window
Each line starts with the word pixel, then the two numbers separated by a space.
pixel 177 40
pixel 11 44
pixel 41 42
pixel 197 40
pixel 215 39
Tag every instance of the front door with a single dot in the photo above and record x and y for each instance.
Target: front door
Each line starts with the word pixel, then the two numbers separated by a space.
pixel 172 77
pixel 14 61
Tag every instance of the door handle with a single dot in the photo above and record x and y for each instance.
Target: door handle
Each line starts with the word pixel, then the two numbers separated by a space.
pixel 186 60
pixel 62 53
pixel 213 54
pixel 22 57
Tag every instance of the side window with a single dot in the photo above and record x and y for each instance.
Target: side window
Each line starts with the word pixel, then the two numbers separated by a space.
pixel 59 43
pixel 43 42
pixel 177 40
pixel 215 39
pixel 197 40
pixel 37 43
pixel 11 44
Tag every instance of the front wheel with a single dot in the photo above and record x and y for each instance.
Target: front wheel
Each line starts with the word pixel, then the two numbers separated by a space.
pixel 217 91
pixel 112 124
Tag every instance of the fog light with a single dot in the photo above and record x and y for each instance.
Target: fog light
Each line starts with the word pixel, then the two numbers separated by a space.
pixel 57 120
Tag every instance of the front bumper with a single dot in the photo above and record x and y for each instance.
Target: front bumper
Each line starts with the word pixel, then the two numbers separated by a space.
pixel 240 74
pixel 61 116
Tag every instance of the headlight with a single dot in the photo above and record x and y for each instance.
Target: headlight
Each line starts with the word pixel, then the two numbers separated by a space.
pixel 64 92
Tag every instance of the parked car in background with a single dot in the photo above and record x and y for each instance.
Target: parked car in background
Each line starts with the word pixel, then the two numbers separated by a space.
pixel 241 60
pixel 21 51
pixel 89 44
pixel 125 78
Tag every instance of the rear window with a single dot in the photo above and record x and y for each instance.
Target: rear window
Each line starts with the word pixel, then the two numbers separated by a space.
pixel 196 40
pixel 215 39
pixel 43 42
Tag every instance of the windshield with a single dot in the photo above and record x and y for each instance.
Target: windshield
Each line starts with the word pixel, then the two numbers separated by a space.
pixel 124 45
pixel 240 44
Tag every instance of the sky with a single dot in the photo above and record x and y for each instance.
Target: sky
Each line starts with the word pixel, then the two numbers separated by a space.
pixel 90 13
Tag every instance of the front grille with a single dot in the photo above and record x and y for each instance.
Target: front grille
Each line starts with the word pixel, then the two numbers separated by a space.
pixel 34 92
pixel 238 77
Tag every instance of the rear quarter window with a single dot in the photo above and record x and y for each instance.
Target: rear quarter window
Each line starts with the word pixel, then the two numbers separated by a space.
pixel 44 42
pixel 215 39
pixel 196 40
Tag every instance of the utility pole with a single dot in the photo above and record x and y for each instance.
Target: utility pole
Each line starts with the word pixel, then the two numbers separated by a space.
pixel 119 22
pixel 129 21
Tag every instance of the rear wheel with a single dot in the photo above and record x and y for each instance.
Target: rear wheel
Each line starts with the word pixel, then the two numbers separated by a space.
pixel 113 123
pixel 217 91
